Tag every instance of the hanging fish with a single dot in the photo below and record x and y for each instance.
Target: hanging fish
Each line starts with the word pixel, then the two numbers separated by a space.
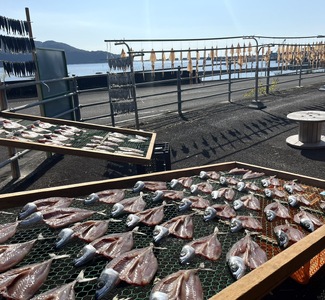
pixel 185 182
pixel 245 222
pixel 212 59
pixel 198 202
pixel 149 185
pixel 86 231
pixel 250 174
pixel 226 59
pixel 63 292
pixel 293 187
pixel 12 254
pixel 183 284
pixel 108 246
pixel 129 205
pixel 150 217
pixel 160 195
pixel 58 217
pixel 249 251
pixel 223 211
pixel 238 171
pixel 163 59
pixel 180 226
pixel 22 283
pixel 208 246
pixel 297 199
pixel 271 181
pixel 43 204
pixel 189 62
pixel 135 267
pixel 287 233
pixel 197 64
pixel 226 192
pixel 172 58
pixel 204 187
pixel 274 193
pixel 276 209
pixel 249 201
pixel 209 175
pixel 307 220
pixel 204 61
pixel 106 196
pixel 153 59
pixel 8 230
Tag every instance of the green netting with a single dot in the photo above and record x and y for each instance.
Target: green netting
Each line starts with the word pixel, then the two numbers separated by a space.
pixel 63 270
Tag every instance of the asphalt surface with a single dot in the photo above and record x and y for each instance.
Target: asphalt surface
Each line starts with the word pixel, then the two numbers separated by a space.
pixel 213 134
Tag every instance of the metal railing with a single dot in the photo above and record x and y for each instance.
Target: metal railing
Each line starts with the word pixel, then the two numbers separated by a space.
pixel 183 89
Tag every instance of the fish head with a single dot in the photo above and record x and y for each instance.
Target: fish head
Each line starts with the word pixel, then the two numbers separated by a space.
pixel 237 266
pixel 139 186
pixel 241 186
pixel 282 238
pixel 235 225
pixel 158 296
pixel 27 210
pixel 117 209
pixel 289 188
pixel 91 199
pixel 223 180
pixel 215 195
pixel 34 218
pixel 173 183
pixel 238 204
pixel 157 196
pixel 194 189
pixel 270 215
pixel 86 254
pixel 132 220
pixel 265 182
pixel 209 213
pixel 292 200
pixel 107 280
pixel 185 204
pixel 203 175
pixel 307 224
pixel 187 253
pixel 159 232
pixel 268 193
pixel 64 236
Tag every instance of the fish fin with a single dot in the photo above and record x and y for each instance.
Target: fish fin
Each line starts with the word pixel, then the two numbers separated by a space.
pixel 55 256
pixel 136 231
pixel 81 277
pixel 102 212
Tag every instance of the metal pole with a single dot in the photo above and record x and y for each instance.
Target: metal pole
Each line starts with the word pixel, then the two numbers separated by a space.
pixel 179 91
pixel 256 103
pixel 268 76
pixel 300 74
pixel 229 82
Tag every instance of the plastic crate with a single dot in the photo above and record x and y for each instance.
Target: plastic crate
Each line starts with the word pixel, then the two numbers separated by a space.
pixel 160 160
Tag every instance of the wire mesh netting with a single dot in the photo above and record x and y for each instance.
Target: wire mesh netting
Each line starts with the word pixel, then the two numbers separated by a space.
pixel 169 248
pixel 95 140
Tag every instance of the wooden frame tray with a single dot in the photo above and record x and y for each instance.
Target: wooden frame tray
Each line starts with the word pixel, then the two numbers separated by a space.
pixel 76 147
pixel 253 285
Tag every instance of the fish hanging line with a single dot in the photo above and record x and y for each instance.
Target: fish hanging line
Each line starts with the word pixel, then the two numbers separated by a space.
pixel 16 45
pixel 19 69
pixel 12 26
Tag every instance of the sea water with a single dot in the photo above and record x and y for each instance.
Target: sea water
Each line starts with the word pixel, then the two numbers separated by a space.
pixel 103 68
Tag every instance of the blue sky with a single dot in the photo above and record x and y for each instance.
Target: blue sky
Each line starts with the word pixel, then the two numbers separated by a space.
pixel 86 24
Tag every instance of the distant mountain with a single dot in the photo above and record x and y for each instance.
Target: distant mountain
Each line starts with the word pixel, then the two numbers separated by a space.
pixel 73 55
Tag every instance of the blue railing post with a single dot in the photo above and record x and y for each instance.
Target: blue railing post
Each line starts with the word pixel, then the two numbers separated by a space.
pixel 268 76
pixel 179 91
